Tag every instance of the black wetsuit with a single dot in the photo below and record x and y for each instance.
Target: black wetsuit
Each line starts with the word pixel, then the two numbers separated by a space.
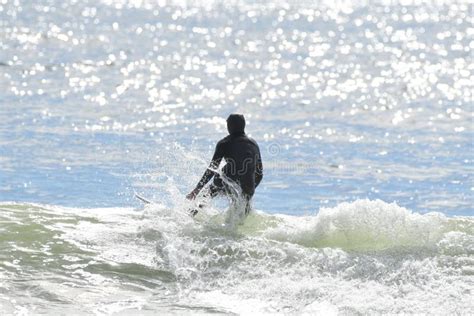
pixel 243 165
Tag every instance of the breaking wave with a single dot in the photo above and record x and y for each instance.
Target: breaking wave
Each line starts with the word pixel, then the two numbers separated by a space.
pixel 360 257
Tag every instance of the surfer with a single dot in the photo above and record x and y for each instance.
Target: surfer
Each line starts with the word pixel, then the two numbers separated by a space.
pixel 243 165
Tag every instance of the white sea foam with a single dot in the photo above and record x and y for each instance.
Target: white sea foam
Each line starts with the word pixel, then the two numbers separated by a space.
pixel 360 257
pixel 364 224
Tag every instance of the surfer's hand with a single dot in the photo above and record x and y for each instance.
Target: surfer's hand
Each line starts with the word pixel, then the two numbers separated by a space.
pixel 192 195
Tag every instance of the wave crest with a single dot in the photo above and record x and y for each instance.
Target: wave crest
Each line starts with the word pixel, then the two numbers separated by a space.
pixel 367 225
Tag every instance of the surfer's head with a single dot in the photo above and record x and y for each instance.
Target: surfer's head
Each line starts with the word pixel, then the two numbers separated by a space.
pixel 236 124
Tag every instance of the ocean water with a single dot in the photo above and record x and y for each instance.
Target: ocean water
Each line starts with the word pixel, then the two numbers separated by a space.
pixel 364 115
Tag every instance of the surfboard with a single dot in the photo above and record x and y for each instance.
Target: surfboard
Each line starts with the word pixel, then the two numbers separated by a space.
pixel 191 212
pixel 141 198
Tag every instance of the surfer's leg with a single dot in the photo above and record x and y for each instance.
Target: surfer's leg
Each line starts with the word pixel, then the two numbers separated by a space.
pixel 248 205
pixel 216 188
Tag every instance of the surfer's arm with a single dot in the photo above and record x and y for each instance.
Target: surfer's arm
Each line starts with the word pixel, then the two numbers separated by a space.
pixel 258 170
pixel 209 173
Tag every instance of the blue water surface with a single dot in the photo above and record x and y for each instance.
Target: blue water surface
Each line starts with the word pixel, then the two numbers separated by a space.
pixel 345 105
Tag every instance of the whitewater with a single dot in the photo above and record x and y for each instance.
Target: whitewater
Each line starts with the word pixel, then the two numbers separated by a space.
pixel 363 257
pixel 364 116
